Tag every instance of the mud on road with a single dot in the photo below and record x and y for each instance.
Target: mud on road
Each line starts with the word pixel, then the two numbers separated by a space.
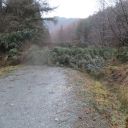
pixel 46 97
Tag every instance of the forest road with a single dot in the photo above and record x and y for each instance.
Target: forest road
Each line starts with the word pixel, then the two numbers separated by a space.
pixel 44 97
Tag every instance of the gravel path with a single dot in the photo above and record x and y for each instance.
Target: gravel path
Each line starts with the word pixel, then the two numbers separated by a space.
pixel 43 97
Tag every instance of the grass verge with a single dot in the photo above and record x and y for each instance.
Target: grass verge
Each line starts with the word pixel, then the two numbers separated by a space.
pixel 107 104
pixel 8 69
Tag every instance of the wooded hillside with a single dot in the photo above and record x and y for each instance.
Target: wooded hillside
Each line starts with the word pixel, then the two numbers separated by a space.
pixel 107 28
pixel 21 23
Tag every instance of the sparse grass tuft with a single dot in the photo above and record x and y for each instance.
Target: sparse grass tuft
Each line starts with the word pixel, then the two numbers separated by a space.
pixel 123 97
pixel 8 69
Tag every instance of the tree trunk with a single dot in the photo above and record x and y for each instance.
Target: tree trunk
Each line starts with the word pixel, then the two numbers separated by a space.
pixel 0 5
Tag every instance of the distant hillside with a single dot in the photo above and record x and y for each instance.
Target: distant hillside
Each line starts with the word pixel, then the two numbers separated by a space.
pixel 61 21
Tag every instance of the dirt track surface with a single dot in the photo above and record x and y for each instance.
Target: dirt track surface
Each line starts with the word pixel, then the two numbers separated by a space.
pixel 45 97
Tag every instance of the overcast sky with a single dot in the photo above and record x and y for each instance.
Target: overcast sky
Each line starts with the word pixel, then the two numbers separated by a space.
pixel 73 8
